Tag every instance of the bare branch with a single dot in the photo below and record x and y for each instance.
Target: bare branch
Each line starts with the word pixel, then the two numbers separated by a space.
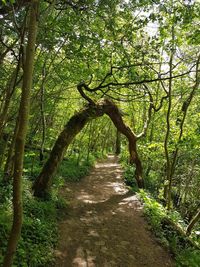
pixel 128 83
pixel 83 85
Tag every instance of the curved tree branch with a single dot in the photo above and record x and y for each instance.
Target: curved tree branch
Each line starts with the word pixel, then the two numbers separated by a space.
pixel 128 83
pixel 80 87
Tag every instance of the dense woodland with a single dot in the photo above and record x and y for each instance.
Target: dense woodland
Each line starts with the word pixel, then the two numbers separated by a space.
pixel 80 79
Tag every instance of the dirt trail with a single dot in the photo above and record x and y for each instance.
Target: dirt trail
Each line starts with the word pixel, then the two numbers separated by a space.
pixel 105 226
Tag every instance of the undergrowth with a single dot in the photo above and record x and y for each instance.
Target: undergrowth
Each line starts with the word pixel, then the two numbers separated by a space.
pixel 72 170
pixel 129 171
pixel 185 255
pixel 39 230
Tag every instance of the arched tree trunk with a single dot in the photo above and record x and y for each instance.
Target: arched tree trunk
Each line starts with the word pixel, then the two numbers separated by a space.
pixel 73 127
pixel 115 114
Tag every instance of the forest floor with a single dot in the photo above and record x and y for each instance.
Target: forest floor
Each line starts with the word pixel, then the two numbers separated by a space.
pixel 105 226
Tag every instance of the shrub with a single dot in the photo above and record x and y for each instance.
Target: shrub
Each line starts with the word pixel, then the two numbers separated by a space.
pixel 73 171
pixel 129 179
pixel 186 256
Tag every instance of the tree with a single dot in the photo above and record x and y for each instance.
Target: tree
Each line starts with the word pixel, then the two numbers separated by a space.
pixel 73 127
pixel 21 135
pixel 142 57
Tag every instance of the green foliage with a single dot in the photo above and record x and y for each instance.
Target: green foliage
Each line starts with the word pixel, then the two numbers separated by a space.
pixel 5 224
pixel 32 165
pixel 73 170
pixel 5 191
pixel 124 42
pixel 155 212
pixel 186 256
pixel 153 182
pixel 39 231
pixel 153 164
pixel 129 179
pixel 37 241
pixel 124 156
pixel 129 170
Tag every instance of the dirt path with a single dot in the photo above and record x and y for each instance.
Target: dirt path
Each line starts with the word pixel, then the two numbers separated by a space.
pixel 105 226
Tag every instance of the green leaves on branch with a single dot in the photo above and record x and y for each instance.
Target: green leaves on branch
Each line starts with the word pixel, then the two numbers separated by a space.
pixel 8 1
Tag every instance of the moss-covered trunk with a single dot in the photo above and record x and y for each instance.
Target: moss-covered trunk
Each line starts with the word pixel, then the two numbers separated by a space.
pixel 42 184
pixel 21 136
pixel 114 113
pixel 72 128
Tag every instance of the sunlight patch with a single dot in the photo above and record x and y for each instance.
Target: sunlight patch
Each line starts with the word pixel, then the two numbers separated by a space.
pixel 118 187
pixel 83 259
pixel 132 201
pixel 107 165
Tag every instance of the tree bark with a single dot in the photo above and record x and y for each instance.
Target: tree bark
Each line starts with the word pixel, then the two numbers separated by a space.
pixel 21 136
pixel 114 113
pixel 9 166
pixel 42 184
pixel 168 183
pixel 118 143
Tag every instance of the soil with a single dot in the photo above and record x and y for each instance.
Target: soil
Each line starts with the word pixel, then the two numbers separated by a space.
pixel 105 225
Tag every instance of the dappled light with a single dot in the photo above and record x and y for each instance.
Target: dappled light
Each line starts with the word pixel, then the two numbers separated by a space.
pixel 83 258
pixel 105 226
pixel 104 192
pixel 131 201
pixel 82 81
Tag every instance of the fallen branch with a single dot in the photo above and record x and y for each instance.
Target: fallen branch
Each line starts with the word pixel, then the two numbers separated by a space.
pixel 181 232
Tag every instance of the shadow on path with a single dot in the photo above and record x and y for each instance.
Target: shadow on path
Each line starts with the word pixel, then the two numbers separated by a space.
pixel 105 226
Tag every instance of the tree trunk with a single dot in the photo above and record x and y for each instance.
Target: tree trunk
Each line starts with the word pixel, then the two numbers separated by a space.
pixel 73 127
pixel 42 184
pixel 42 91
pixel 21 136
pixel 89 142
pixel 9 166
pixel 118 143
pixel 114 113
